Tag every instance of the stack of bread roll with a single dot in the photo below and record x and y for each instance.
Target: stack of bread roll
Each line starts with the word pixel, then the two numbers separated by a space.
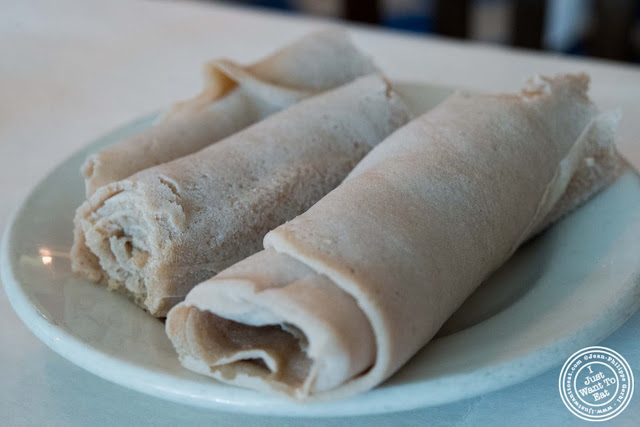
pixel 312 253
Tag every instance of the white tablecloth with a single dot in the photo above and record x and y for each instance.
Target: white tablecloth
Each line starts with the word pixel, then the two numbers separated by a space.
pixel 71 70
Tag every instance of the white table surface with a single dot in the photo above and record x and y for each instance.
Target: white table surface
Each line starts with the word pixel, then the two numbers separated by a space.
pixel 72 70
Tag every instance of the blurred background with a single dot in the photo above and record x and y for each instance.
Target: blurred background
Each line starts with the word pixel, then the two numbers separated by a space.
pixel 598 28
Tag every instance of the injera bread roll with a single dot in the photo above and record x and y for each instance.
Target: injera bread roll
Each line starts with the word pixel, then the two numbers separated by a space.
pixel 233 98
pixel 346 293
pixel 160 232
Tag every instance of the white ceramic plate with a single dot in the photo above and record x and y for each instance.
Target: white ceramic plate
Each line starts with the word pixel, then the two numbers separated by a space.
pixel 567 289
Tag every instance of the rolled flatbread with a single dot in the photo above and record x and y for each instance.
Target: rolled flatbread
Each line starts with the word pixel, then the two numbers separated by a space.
pixel 346 293
pixel 233 98
pixel 160 232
